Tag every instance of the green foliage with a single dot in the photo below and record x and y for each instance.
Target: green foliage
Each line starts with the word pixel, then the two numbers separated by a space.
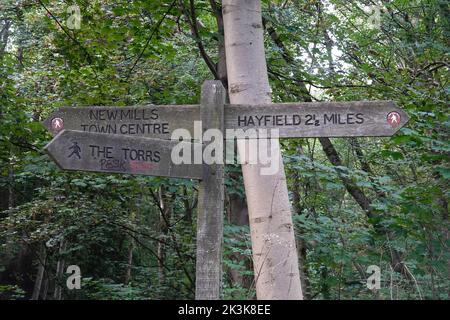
pixel 138 52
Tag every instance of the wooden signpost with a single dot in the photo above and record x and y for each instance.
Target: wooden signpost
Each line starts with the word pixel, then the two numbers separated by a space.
pixel 136 140
pixel 210 202
pixel 319 119
pixel 294 120
pixel 84 151
pixel 145 121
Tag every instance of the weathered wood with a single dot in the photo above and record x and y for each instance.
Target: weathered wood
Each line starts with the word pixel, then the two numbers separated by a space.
pixel 294 120
pixel 210 202
pixel 84 151
pixel 318 119
pixel 144 120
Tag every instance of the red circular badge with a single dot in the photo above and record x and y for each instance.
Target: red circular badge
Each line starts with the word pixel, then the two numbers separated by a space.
pixel 57 124
pixel 393 118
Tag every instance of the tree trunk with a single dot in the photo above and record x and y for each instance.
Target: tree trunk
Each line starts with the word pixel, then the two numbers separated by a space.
pixel 236 204
pixel 129 262
pixel 45 287
pixel 11 197
pixel 59 271
pixel 128 274
pixel 4 36
pixel 273 241
pixel 40 274
pixel 164 221
pixel 301 243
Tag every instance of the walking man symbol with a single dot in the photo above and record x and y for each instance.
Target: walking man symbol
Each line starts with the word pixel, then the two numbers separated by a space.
pixel 75 150
pixel 393 118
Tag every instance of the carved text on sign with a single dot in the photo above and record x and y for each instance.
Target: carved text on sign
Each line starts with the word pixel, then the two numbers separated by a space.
pixel 84 151
pixel 294 120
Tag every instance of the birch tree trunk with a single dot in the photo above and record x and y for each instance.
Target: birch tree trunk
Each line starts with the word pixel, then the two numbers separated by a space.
pixel 273 242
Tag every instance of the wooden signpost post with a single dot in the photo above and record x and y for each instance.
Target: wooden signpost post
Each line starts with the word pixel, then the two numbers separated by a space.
pixel 136 140
pixel 210 202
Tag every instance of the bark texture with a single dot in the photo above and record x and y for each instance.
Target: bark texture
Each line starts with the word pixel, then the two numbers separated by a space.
pixel 273 242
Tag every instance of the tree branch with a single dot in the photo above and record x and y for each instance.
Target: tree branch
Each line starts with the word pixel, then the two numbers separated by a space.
pixel 193 24
pixel 330 151
pixel 87 54
pixel 155 29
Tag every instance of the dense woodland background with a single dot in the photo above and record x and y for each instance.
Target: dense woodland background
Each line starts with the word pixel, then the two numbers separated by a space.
pixel 356 202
